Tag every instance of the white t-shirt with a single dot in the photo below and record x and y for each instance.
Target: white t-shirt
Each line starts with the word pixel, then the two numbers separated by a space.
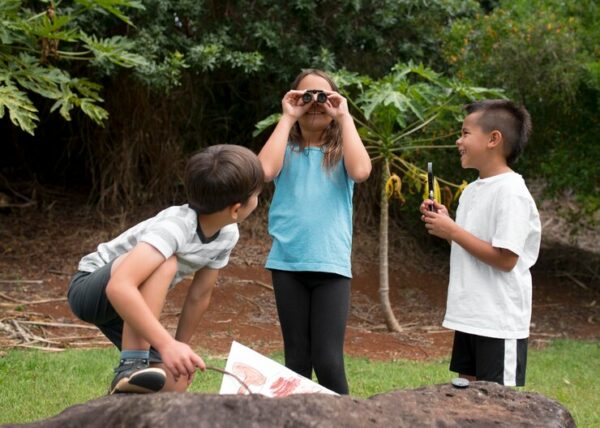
pixel 171 231
pixel 483 300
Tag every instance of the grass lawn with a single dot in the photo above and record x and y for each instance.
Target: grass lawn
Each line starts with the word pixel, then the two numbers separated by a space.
pixel 36 385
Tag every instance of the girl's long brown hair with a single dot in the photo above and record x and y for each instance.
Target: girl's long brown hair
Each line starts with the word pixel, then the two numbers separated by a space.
pixel 332 135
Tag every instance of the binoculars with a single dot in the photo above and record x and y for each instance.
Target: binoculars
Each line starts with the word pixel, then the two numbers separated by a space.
pixel 308 96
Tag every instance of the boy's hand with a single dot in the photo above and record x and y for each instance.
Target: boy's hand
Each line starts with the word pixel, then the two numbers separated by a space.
pixel 438 222
pixel 439 208
pixel 181 360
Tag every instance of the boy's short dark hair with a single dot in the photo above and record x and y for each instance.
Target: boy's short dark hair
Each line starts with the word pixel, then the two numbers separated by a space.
pixel 220 176
pixel 513 122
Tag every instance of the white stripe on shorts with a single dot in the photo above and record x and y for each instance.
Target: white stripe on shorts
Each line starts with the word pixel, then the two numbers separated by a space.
pixel 510 362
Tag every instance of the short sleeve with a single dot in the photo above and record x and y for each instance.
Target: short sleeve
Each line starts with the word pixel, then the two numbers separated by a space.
pixel 513 223
pixel 167 235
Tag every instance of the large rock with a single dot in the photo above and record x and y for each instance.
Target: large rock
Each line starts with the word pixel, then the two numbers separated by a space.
pixel 483 404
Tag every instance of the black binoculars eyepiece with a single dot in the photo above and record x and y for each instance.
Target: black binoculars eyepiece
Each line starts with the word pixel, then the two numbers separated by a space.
pixel 308 96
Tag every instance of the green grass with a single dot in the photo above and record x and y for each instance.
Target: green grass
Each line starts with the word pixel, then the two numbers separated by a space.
pixel 37 385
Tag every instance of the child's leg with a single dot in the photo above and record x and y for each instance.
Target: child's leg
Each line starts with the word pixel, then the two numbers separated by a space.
pixel 293 307
pixel 501 360
pixel 491 359
pixel 463 355
pixel 330 304
pixel 87 298
pixel 154 292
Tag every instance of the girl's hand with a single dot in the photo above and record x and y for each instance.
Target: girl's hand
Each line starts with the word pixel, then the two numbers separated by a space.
pixel 292 104
pixel 336 105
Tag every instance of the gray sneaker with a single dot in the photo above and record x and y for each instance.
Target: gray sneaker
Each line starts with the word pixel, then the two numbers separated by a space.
pixel 135 376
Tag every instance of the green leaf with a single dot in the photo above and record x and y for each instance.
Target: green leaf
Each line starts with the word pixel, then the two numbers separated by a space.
pixel 21 110
pixel 53 29
pixel 93 111
pixel 112 7
pixel 266 123
pixel 117 50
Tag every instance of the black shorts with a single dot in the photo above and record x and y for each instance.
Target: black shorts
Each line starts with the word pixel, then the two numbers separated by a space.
pixel 87 299
pixel 487 358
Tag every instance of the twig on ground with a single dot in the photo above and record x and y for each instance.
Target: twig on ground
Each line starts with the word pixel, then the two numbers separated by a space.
pixel 576 281
pixel 33 302
pixel 41 348
pixel 21 332
pixel 253 302
pixel 58 272
pixel 254 281
pixel 58 324
pixel 90 343
pixel 362 318
pixel 68 338
pixel 21 281
pixel 572 278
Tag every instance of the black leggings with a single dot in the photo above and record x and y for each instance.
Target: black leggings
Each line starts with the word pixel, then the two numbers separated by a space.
pixel 313 310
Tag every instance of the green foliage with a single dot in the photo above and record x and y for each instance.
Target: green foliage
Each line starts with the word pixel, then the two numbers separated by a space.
pixel 279 39
pixel 545 54
pixel 38 40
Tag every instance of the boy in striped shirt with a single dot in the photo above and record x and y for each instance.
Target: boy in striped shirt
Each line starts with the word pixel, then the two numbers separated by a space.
pixel 122 287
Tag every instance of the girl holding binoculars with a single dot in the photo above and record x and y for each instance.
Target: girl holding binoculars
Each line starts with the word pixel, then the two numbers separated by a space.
pixel 314 156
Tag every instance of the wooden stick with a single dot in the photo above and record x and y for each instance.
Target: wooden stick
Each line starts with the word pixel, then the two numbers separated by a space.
pixel 576 281
pixel 41 348
pixel 254 281
pixel 240 381
pixel 68 338
pixel 58 324
pixel 33 302
pixel 10 299
pixel 59 272
pixel 24 335
pixel 21 281
pixel 90 344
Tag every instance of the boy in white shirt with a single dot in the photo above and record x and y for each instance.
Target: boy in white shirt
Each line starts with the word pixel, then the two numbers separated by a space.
pixel 495 241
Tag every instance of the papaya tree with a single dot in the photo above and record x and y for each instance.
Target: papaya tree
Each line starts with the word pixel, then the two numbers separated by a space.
pixel 411 109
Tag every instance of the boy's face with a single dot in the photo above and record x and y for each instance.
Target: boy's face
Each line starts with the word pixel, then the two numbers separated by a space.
pixel 473 142
pixel 246 209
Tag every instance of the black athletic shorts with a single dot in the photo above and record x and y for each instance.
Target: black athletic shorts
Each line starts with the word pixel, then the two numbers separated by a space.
pixel 487 358
pixel 87 299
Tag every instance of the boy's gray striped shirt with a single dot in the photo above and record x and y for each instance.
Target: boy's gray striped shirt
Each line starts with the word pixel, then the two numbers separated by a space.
pixel 172 232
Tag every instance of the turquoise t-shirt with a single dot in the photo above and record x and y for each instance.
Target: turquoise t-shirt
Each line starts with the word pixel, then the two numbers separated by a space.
pixel 310 219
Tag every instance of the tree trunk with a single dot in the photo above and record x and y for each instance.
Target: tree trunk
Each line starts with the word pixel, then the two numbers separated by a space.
pixel 384 278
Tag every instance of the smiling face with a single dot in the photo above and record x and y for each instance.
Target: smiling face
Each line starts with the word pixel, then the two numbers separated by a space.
pixel 473 143
pixel 315 119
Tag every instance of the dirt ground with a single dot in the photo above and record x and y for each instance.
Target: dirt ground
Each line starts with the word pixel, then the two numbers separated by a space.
pixel 40 248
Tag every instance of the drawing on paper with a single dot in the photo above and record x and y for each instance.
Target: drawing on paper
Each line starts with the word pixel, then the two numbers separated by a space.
pixel 264 376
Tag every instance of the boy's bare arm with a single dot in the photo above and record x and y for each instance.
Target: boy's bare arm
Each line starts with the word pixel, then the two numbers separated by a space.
pixel 123 292
pixel 500 258
pixel 196 303
pixel 441 225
